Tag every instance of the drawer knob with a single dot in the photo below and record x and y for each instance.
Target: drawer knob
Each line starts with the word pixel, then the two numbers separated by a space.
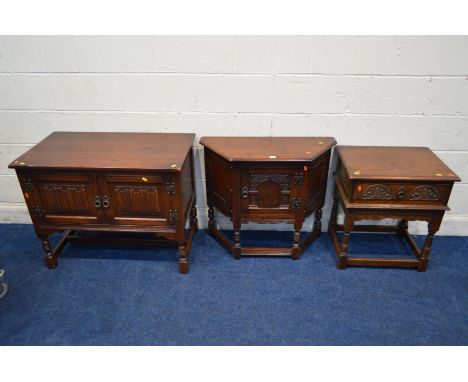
pixel 105 201
pixel 97 201
pixel 245 192
pixel 401 193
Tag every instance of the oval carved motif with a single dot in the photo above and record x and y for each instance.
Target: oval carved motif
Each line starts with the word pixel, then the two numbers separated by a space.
pixel 377 191
pixel 424 193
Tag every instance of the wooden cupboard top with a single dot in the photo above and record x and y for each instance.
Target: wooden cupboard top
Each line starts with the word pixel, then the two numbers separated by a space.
pixel 117 151
pixel 394 163
pixel 269 149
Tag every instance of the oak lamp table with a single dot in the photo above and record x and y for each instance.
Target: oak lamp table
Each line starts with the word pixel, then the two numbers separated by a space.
pixel 266 180
pixel 136 182
pixel 405 183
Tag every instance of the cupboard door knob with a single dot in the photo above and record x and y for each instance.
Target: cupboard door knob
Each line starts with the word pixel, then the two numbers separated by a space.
pixel 245 192
pixel 97 201
pixel 105 201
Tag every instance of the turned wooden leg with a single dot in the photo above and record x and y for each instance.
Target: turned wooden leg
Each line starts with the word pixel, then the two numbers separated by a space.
pixel 211 219
pixel 194 218
pixel 236 251
pixel 183 261
pixel 50 259
pixel 426 249
pixel 296 249
pixel 343 255
pixel 402 227
pixel 318 221
pixel 334 213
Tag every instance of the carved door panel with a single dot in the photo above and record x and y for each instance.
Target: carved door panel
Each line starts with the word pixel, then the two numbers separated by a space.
pixel 66 198
pixel 137 200
pixel 272 190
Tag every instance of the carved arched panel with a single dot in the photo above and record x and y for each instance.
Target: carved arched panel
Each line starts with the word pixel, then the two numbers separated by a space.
pixel 269 190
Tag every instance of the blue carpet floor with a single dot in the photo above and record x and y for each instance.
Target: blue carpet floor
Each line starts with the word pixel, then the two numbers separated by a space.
pixel 101 295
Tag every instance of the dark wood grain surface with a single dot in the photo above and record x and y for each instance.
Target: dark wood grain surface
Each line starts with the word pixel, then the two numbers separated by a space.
pixel 394 163
pixel 102 150
pixel 269 149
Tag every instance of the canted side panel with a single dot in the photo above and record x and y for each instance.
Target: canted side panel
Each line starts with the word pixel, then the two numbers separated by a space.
pixel 317 174
pixel 218 177
pixel 402 193
pixel 186 183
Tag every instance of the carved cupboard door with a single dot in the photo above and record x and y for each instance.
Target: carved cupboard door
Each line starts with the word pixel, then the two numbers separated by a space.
pixel 137 200
pixel 62 198
pixel 272 190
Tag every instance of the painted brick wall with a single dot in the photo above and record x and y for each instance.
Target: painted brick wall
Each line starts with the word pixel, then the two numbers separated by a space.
pixel 361 90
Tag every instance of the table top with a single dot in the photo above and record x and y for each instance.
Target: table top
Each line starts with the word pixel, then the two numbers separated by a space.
pixel 394 163
pixel 101 150
pixel 269 149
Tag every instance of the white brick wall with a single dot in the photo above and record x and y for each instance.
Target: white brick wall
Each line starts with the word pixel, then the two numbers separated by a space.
pixel 390 90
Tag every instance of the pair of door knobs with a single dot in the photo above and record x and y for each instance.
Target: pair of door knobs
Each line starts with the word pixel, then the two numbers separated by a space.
pixel 104 201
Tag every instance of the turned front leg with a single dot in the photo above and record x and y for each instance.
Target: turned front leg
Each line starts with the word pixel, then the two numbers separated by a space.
pixel 237 249
pixel 343 255
pixel 183 261
pixel 50 258
pixel 334 213
pixel 426 249
pixel 194 218
pixel 318 221
pixel 296 249
pixel 402 227
pixel 211 218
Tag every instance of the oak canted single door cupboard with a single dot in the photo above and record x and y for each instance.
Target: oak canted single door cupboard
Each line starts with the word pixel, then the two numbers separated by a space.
pixel 266 180
pixel 90 181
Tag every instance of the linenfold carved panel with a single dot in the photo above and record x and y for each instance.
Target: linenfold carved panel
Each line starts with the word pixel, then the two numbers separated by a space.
pixel 137 199
pixel 64 197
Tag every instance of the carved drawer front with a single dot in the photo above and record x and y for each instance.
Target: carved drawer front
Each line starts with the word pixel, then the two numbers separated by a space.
pixel 270 190
pixel 62 198
pixel 406 193
pixel 137 200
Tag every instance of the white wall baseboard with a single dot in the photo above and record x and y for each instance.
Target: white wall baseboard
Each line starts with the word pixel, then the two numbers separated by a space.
pixel 452 225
